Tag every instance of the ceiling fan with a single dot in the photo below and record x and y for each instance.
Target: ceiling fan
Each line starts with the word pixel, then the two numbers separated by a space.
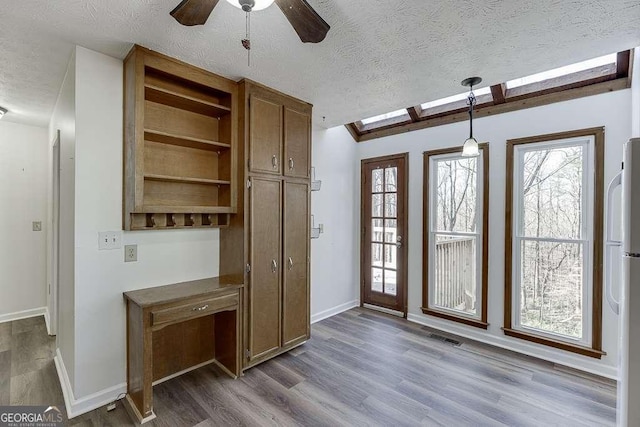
pixel 305 21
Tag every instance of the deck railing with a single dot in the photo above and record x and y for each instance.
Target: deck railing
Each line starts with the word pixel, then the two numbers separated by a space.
pixel 455 271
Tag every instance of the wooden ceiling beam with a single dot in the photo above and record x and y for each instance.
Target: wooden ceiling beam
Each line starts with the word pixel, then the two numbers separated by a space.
pixel 499 93
pixel 413 113
pixel 623 62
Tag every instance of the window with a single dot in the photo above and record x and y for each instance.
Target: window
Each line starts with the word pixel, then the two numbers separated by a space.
pixel 563 71
pixel 554 234
pixel 455 242
pixel 598 75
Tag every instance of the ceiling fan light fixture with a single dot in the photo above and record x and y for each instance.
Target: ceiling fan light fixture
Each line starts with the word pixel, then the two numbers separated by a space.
pixel 251 5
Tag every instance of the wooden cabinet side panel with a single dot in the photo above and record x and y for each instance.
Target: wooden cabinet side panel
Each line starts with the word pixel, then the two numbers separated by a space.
pixel 297 143
pixel 139 358
pixel 295 310
pixel 133 152
pixel 265 136
pixel 265 260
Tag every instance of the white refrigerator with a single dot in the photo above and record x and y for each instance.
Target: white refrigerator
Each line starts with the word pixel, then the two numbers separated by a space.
pixel 628 306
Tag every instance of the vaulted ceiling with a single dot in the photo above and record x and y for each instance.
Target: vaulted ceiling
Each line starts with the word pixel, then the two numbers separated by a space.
pixel 379 55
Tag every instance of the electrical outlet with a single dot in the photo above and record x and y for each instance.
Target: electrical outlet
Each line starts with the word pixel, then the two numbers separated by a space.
pixel 109 240
pixel 36 225
pixel 130 253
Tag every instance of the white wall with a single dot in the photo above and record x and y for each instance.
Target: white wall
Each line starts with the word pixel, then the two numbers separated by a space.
pixel 102 276
pixel 23 197
pixel 64 119
pixel 635 95
pixel 610 110
pixel 334 254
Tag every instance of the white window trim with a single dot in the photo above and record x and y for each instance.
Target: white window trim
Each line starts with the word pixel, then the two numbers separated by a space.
pixel 432 232
pixel 587 236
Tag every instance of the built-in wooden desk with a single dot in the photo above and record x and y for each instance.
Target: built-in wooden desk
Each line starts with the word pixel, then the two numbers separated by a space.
pixel 176 328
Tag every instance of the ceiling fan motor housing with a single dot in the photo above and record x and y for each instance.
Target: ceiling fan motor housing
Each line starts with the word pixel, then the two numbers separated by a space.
pixel 247 5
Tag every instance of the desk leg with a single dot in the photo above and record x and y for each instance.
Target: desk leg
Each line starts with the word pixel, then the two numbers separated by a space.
pixel 139 400
pixel 226 340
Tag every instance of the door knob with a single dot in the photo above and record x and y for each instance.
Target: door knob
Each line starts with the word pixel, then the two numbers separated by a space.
pixel 399 241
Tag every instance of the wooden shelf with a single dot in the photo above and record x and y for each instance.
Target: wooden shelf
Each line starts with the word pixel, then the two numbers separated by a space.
pixel 167 178
pixel 185 209
pixel 185 102
pixel 184 141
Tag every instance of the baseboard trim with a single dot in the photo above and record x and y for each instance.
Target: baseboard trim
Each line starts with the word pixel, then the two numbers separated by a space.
pixel 24 314
pixel 76 407
pixel 47 320
pixel 526 348
pixel 334 310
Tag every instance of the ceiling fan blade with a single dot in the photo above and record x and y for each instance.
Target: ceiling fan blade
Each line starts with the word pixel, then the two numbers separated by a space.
pixel 193 12
pixel 305 21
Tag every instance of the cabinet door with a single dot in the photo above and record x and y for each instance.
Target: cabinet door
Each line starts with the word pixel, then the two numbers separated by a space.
pixel 265 136
pixel 265 274
pixel 295 298
pixel 297 143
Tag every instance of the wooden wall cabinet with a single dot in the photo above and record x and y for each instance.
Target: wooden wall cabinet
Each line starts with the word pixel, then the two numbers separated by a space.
pixel 180 152
pixel 268 240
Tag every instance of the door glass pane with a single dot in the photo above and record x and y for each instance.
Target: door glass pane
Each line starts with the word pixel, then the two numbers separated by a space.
pixel 455 194
pixel 390 208
pixel 391 179
pixel 376 179
pixel 551 287
pixel 376 205
pixel 390 230
pixel 390 287
pixel 390 254
pixel 376 254
pixel 552 193
pixel 455 274
pixel 376 279
pixel 377 230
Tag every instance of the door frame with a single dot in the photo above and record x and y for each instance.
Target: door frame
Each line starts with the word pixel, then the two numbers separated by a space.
pixel 52 294
pixel 404 249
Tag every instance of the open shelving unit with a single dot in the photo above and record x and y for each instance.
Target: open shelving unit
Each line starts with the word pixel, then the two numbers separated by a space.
pixel 180 144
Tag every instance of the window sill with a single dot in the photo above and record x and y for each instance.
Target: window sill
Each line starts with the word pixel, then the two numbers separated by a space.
pixel 465 320
pixel 573 348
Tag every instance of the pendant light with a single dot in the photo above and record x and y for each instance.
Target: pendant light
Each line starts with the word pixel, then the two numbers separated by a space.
pixel 470 147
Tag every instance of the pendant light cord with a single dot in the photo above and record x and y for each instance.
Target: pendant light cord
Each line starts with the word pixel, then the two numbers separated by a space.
pixel 471 100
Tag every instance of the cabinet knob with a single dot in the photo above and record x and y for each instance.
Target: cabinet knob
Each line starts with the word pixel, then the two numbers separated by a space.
pixel 274 265
pixel 274 161
pixel 290 263
pixel 290 163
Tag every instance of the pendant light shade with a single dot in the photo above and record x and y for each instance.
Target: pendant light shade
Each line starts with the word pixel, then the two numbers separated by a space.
pixel 470 147
pixel 251 5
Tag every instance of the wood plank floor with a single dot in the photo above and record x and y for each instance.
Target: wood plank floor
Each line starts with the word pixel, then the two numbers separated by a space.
pixel 360 368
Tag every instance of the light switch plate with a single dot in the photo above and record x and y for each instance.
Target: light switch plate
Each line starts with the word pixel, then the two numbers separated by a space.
pixel 130 253
pixel 36 225
pixel 109 240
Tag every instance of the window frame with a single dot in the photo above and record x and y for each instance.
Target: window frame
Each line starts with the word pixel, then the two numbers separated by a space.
pixel 482 269
pixel 591 342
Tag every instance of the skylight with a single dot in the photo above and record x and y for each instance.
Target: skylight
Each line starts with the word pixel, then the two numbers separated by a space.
pixel 455 98
pixel 391 115
pixel 563 71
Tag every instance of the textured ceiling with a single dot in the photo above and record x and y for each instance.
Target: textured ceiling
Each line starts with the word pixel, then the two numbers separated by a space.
pixel 379 55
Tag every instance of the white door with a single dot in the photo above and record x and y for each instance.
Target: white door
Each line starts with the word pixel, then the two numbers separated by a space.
pixel 52 291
